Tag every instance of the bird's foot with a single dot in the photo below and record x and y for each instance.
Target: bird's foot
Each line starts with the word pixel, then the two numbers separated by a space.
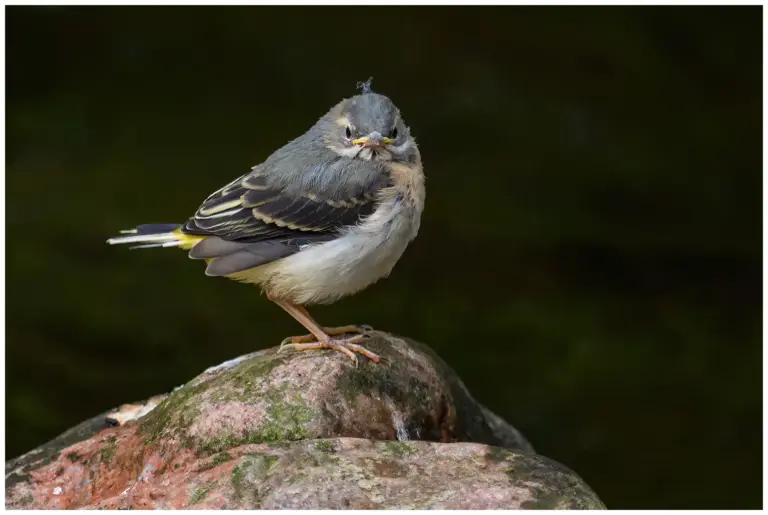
pixel 362 330
pixel 348 346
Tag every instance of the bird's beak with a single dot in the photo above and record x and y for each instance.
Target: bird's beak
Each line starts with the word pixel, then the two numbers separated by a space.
pixel 374 139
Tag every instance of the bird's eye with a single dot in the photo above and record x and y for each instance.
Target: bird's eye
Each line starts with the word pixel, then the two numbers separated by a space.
pixel 348 133
pixel 394 133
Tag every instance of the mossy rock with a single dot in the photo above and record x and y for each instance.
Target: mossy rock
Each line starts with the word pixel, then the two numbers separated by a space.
pixel 297 431
pixel 266 397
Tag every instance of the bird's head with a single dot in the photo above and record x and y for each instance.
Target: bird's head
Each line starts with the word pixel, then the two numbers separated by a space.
pixel 368 126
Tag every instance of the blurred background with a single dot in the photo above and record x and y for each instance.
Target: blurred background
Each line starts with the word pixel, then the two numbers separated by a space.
pixel 590 254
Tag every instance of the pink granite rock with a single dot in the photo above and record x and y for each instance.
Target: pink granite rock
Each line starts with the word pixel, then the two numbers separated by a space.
pixel 300 430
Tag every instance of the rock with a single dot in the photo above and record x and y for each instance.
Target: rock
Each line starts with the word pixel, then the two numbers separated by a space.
pixel 300 430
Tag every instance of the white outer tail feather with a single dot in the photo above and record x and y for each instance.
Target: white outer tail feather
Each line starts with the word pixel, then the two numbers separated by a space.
pixel 167 239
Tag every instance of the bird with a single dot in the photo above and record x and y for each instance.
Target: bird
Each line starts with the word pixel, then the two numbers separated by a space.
pixel 321 218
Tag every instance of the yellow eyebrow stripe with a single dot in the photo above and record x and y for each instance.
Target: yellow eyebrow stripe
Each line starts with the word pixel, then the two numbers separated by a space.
pixel 344 122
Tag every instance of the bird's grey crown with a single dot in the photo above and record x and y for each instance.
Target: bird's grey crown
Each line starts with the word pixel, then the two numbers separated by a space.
pixel 371 112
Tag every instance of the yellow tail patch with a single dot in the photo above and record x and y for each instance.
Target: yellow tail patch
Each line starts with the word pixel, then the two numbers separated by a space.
pixel 187 240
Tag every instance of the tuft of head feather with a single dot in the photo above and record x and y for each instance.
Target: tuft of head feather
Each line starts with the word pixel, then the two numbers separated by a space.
pixel 365 87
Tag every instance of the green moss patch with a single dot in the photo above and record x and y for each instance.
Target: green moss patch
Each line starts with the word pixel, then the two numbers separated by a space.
pixel 497 454
pixel 285 423
pixel 74 457
pixel 175 414
pixel 324 446
pixel 248 476
pixel 399 449
pixel 108 451
pixel 201 493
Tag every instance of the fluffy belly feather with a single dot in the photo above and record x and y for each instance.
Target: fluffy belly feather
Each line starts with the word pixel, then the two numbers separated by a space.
pixel 324 272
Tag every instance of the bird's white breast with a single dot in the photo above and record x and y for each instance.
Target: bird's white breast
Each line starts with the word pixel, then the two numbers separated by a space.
pixel 363 254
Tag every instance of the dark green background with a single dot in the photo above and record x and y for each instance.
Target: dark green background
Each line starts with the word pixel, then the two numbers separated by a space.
pixel 590 254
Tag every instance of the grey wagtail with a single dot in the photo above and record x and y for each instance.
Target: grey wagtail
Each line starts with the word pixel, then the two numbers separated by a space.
pixel 323 217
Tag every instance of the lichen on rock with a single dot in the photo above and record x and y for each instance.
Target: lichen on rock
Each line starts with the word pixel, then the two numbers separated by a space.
pixel 301 430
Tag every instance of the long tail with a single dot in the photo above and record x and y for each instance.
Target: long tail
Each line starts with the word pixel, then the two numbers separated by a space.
pixel 157 235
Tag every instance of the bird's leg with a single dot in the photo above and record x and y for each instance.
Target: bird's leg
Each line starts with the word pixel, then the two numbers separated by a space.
pixel 348 346
pixel 330 331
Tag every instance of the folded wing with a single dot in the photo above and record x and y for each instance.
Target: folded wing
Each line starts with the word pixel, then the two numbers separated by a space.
pixel 250 222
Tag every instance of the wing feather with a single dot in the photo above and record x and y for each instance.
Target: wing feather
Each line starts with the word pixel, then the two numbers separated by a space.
pixel 250 209
pixel 254 220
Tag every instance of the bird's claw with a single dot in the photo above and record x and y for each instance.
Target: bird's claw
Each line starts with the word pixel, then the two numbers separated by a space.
pixel 348 346
pixel 363 331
